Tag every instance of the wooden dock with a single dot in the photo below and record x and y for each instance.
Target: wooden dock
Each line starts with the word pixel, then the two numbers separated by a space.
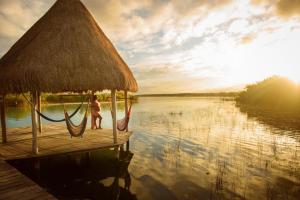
pixel 15 185
pixel 54 140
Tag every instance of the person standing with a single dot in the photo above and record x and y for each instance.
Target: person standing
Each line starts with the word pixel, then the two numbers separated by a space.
pixel 95 113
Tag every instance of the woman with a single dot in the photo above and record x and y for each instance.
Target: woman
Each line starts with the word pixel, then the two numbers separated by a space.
pixel 95 112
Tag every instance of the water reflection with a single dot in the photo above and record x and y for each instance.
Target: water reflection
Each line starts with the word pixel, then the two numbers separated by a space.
pixel 93 175
pixel 21 117
pixel 283 120
pixel 206 148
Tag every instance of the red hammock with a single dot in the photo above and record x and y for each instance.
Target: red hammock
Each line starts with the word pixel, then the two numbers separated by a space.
pixel 122 124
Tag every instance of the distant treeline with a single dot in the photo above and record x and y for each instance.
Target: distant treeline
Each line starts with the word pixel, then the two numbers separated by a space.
pixel 46 98
pixel 217 94
pixel 275 93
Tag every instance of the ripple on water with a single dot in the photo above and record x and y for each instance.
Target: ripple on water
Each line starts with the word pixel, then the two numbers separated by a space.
pixel 186 148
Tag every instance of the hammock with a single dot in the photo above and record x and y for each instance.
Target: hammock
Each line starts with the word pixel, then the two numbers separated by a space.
pixel 76 130
pixel 59 120
pixel 122 124
pixel 54 120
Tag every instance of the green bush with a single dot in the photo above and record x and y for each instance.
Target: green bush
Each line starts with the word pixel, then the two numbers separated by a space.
pixel 275 92
pixel 16 100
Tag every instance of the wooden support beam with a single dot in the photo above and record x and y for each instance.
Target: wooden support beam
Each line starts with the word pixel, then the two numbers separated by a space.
pixel 127 145
pixel 114 114
pixel 34 122
pixel 3 119
pixel 91 99
pixel 126 106
pixel 39 107
pixel 117 152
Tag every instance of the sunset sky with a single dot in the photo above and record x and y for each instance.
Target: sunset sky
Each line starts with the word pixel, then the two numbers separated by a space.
pixel 186 46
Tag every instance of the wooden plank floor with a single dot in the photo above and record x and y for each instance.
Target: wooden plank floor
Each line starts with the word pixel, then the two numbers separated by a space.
pixel 15 186
pixel 55 139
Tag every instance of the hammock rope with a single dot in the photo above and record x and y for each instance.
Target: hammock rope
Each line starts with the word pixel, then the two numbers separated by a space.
pixel 55 120
pixel 60 120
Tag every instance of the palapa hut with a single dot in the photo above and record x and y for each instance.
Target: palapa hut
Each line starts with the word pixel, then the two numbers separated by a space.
pixel 64 51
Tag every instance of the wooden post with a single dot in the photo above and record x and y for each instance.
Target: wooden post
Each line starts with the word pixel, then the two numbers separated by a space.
pixel 127 145
pixel 114 114
pixel 3 121
pixel 34 120
pixel 39 105
pixel 91 98
pixel 126 106
pixel 126 113
pixel 117 152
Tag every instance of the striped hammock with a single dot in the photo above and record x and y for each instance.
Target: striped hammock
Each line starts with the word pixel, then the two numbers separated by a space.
pixel 76 130
pixel 122 124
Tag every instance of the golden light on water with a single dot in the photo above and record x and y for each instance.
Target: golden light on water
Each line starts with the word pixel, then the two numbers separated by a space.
pixel 222 144
pixel 191 147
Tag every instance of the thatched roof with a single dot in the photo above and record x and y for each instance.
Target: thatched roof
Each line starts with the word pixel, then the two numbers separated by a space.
pixel 64 51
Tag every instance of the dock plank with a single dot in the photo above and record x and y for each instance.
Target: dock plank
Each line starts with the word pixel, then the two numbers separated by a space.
pixel 54 140
pixel 14 185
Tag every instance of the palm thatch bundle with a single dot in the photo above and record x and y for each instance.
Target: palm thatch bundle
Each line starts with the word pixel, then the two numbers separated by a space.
pixel 64 51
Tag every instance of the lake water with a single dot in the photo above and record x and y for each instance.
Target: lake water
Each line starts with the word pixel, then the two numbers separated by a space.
pixel 181 148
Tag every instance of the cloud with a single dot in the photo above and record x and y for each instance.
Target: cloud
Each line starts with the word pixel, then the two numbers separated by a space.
pixel 127 21
pixel 16 17
pixel 179 44
pixel 137 23
pixel 9 29
pixel 287 8
pixel 281 8
pixel 157 72
pixel 247 39
pixel 178 85
pixel 171 75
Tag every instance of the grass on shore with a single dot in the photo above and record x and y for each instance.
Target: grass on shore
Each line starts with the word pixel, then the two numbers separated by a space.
pixel 47 98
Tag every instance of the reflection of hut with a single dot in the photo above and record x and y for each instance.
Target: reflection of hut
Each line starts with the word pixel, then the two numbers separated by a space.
pixel 94 175
pixel 65 51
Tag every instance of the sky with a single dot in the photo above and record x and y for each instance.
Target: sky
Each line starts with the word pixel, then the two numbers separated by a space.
pixel 175 46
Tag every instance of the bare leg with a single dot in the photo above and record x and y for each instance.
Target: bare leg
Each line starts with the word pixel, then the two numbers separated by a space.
pixel 92 122
pixel 100 119
pixel 94 125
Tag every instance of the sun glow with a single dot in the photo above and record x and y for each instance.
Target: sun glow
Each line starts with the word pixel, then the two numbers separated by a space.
pixel 295 78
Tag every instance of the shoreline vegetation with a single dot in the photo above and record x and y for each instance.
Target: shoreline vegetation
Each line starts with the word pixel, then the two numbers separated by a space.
pixel 13 100
pixel 276 93
pixel 274 101
pixel 204 94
